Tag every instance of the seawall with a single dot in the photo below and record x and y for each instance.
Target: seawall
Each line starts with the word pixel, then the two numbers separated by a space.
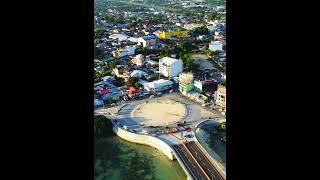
pixel 144 139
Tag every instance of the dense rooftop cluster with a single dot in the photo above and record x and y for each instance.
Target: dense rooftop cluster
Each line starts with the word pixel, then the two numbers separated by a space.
pixel 142 47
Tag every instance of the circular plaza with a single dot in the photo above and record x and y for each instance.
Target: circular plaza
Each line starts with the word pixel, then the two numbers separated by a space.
pixel 161 112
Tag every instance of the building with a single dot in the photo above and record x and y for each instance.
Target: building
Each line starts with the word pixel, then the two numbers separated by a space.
pixel 127 51
pixel 185 82
pixel 147 41
pixel 220 96
pixel 170 67
pixel 119 37
pixel 197 97
pixel 207 86
pixel 138 60
pixel 216 46
pixel 139 74
pixel 157 85
pixel 121 72
pixel 192 26
pixel 178 34
pixel 132 92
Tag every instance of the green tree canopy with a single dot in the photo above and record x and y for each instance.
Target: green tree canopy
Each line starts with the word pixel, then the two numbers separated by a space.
pixel 102 126
pixel 132 80
pixel 138 85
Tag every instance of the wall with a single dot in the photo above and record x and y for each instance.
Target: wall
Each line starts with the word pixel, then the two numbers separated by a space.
pixel 144 139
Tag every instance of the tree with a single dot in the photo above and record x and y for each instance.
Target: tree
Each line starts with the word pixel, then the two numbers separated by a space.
pixel 222 127
pixel 138 85
pixel 201 31
pixel 114 64
pixel 132 80
pixel 102 125
pixel 187 60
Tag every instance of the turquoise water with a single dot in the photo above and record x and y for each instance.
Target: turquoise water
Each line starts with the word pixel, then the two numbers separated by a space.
pixel 117 159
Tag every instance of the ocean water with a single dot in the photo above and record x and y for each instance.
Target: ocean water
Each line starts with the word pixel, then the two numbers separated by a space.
pixel 117 159
pixel 203 135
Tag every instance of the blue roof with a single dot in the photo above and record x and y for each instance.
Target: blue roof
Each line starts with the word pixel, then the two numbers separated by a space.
pixel 149 30
pixel 149 37
pixel 98 102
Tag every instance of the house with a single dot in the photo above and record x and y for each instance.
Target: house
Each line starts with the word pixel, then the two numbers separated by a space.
pixel 108 78
pixel 151 62
pixel 157 85
pixel 216 46
pixel 170 67
pixel 138 60
pixel 148 31
pixel 192 26
pixel 98 102
pixel 138 74
pixel 133 39
pixel 132 91
pixel 147 41
pixel 127 51
pixel 119 37
pixel 121 72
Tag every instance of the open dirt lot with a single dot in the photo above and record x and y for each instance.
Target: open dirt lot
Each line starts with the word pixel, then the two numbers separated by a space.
pixel 159 112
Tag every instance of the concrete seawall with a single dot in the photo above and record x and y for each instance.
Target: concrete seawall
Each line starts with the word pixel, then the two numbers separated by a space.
pixel 144 139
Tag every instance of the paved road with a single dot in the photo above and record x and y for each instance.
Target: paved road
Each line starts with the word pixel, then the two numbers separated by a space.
pixel 204 162
pixel 194 168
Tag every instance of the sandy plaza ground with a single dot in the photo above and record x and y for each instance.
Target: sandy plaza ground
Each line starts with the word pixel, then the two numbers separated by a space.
pixel 159 112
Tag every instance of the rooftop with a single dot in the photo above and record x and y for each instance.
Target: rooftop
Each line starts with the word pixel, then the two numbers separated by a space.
pixel 169 60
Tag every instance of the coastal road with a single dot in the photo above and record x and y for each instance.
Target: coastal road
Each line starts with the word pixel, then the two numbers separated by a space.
pixel 204 162
pixel 194 169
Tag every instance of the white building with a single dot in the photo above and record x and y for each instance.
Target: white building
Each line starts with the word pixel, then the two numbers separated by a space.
pixel 127 51
pixel 192 26
pixel 157 85
pixel 216 46
pixel 170 67
pixel 120 37
pixel 138 74
pixel 147 41
pixel 220 97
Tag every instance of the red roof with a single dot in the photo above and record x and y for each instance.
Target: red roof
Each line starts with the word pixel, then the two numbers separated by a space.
pixel 133 90
pixel 104 91
pixel 152 55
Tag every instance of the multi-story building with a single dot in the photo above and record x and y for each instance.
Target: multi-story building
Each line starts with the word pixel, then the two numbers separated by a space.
pixel 170 67
pixel 207 86
pixel 220 96
pixel 185 82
